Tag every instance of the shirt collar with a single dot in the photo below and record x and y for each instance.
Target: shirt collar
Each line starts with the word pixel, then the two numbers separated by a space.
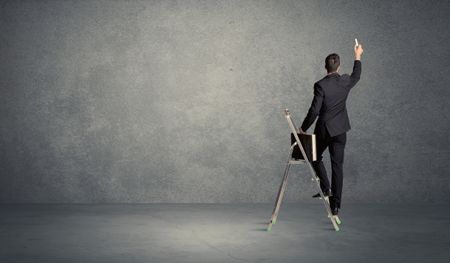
pixel 332 74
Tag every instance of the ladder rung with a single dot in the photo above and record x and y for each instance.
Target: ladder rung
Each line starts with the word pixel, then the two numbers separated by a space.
pixel 297 161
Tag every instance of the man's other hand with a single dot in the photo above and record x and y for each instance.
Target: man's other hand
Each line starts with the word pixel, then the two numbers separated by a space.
pixel 358 51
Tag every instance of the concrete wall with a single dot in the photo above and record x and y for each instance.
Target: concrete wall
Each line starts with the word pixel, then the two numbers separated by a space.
pixel 182 101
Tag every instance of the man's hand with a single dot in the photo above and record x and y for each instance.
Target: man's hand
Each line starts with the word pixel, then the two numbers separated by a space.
pixel 299 130
pixel 358 51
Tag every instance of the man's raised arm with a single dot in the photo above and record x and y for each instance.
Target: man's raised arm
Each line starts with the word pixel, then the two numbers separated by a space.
pixel 356 73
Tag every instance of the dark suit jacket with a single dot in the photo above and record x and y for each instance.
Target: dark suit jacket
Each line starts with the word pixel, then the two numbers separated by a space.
pixel 329 103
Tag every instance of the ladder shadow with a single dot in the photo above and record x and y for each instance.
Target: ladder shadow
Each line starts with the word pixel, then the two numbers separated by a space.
pixel 261 229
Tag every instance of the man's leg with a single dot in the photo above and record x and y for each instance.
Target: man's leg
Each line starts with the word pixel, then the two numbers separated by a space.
pixel 319 168
pixel 336 148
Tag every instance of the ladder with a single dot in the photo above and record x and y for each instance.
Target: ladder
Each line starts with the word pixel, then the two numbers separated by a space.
pixel 334 218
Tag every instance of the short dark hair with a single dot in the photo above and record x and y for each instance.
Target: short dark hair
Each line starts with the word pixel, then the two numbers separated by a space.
pixel 332 62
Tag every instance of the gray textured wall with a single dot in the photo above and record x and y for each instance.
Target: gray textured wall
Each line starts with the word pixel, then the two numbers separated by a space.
pixel 181 101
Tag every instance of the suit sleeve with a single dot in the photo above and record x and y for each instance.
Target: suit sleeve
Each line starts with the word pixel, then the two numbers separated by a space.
pixel 315 107
pixel 356 74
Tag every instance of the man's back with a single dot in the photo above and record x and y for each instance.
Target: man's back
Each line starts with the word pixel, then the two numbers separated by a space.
pixel 329 103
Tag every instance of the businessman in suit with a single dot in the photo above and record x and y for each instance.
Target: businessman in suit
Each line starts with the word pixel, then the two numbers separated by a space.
pixel 329 103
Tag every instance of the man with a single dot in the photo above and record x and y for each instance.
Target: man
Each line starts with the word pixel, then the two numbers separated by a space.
pixel 329 103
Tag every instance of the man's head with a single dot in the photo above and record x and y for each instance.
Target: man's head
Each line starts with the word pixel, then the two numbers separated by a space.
pixel 332 63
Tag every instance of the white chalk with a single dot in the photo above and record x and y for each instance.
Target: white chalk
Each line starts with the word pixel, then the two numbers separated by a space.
pixel 356 42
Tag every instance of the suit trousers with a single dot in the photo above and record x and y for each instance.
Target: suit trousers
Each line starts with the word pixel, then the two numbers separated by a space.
pixel 336 146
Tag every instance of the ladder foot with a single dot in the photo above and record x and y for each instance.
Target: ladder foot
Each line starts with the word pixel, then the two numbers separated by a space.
pixel 336 218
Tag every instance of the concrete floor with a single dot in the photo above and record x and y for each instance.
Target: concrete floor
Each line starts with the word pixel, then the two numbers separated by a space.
pixel 222 233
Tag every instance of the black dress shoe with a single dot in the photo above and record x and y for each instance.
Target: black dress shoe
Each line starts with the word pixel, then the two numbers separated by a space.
pixel 325 193
pixel 334 211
